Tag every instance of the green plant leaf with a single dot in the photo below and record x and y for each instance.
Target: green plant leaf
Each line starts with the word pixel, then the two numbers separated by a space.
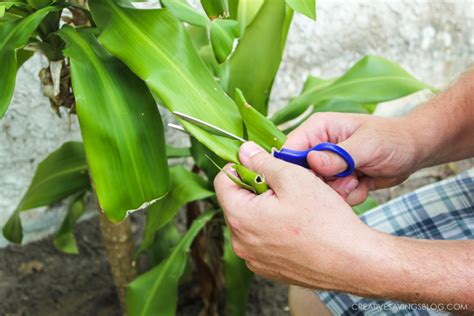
pixel 246 12
pixel 121 127
pixel 214 8
pixel 367 205
pixel 371 80
pixel 60 174
pixel 22 56
pixel 13 231
pixel 177 152
pixel 332 105
pixel 172 68
pixel 262 45
pixel 155 292
pixel 237 279
pixel 15 35
pixel 201 41
pixel 200 155
pixel 306 7
pixel 185 12
pixel 164 240
pixel 64 239
pixel 314 83
pixel 185 187
pixel 38 4
pixel 233 7
pixel 249 177
pixel 223 34
pixel 259 128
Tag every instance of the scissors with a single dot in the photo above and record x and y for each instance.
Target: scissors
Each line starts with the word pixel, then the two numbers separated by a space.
pixel 297 157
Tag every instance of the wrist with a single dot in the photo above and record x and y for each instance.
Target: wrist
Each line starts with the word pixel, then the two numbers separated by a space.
pixel 378 263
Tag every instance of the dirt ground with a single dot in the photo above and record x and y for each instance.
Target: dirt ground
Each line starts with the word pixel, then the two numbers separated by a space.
pixel 36 279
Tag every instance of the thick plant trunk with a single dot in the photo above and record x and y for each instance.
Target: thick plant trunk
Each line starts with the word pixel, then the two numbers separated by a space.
pixel 118 241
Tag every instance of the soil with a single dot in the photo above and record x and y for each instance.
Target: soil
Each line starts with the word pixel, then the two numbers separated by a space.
pixel 37 279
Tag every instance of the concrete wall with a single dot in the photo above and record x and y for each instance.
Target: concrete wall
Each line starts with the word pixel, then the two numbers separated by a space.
pixel 434 40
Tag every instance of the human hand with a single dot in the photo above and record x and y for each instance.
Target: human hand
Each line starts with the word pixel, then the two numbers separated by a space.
pixel 383 150
pixel 300 231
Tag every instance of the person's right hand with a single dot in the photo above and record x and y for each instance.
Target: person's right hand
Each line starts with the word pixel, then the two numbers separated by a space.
pixel 383 150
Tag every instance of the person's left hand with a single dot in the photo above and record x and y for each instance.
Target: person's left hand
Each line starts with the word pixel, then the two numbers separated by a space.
pixel 300 231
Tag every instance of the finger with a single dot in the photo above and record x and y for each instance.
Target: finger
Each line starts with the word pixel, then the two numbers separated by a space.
pixel 278 174
pixel 344 186
pixel 360 193
pixel 231 197
pixel 307 135
pixel 329 164
pixel 326 163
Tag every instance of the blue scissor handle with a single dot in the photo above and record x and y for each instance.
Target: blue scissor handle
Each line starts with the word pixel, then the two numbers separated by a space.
pixel 298 157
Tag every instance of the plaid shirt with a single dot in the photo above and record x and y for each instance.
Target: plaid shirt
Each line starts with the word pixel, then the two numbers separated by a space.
pixel 443 211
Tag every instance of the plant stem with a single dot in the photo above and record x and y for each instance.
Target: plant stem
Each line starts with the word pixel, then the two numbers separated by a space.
pixel 118 241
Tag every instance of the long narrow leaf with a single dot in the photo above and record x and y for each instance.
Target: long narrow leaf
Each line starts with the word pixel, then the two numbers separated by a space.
pixel 64 239
pixel 214 8
pixel 155 292
pixel 185 12
pixel 171 67
pixel 258 126
pixel 223 33
pixel 185 187
pixel 14 35
pixel 61 174
pixel 247 10
pixel 255 62
pixel 371 80
pixel 121 127
pixel 306 7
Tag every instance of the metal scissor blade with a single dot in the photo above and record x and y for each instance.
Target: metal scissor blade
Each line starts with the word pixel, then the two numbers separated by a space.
pixel 208 127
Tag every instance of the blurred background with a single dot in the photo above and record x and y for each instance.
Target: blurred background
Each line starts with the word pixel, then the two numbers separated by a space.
pixel 433 40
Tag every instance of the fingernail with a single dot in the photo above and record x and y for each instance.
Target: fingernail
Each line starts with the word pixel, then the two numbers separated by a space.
pixel 249 149
pixel 325 158
pixel 351 185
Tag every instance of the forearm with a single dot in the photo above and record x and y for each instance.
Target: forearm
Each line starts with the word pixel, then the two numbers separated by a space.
pixel 420 271
pixel 443 129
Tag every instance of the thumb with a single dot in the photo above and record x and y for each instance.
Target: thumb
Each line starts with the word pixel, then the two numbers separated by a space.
pixel 277 173
pixel 328 164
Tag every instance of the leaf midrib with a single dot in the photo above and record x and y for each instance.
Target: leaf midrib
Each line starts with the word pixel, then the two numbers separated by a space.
pixel 170 62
